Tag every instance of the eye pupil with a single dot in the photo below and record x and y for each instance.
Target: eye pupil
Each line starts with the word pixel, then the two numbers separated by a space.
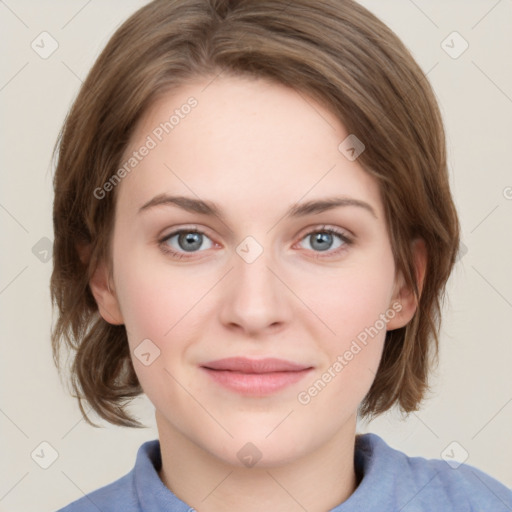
pixel 195 239
pixel 323 239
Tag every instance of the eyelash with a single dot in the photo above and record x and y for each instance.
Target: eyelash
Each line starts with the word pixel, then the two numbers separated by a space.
pixel 347 241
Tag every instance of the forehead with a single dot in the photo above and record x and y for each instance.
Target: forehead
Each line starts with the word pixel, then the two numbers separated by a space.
pixel 244 143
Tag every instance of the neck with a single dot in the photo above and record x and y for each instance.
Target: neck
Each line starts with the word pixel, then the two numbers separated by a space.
pixel 316 482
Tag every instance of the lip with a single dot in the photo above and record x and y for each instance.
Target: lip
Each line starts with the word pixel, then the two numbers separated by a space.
pixel 246 365
pixel 255 377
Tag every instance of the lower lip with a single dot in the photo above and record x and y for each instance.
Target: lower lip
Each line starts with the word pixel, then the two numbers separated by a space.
pixel 256 384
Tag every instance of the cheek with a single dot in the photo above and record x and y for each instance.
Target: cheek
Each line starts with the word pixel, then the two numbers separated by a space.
pixel 352 304
pixel 353 299
pixel 158 305
pixel 352 307
pixel 156 300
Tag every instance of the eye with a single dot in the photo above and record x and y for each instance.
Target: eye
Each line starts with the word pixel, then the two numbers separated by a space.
pixel 326 239
pixel 184 241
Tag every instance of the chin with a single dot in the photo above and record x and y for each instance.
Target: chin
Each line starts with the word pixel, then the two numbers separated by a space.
pixel 255 448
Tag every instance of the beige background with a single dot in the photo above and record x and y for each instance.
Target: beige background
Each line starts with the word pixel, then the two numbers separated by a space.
pixel 472 399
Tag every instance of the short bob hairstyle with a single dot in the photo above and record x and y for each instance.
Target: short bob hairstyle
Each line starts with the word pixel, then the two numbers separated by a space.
pixel 333 51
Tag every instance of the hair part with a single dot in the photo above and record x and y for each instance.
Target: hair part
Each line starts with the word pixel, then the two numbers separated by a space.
pixel 334 51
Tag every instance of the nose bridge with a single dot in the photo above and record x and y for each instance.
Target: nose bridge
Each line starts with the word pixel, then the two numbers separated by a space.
pixel 257 298
pixel 252 267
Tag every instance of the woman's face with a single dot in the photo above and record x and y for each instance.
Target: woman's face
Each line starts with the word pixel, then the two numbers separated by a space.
pixel 262 277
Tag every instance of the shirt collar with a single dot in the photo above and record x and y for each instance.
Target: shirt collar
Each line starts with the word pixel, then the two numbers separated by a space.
pixel 155 496
pixel 151 492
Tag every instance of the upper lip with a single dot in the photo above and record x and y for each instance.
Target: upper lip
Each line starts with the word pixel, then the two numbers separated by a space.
pixel 246 365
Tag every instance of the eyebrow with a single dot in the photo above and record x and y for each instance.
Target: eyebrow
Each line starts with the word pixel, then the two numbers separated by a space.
pixel 298 210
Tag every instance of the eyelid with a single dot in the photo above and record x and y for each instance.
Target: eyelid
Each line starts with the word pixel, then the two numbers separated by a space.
pixel 193 228
pixel 318 228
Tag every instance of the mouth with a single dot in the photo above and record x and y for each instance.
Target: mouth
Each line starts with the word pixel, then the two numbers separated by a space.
pixel 256 377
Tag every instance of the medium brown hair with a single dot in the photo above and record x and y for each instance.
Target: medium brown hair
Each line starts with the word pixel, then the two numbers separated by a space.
pixel 334 51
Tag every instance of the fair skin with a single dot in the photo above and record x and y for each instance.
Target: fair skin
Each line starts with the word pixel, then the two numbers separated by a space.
pixel 255 149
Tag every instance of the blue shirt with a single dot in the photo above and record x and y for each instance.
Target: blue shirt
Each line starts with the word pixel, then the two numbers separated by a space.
pixel 390 481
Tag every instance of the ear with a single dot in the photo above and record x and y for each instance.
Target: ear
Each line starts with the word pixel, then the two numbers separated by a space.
pixel 101 287
pixel 403 294
pixel 103 290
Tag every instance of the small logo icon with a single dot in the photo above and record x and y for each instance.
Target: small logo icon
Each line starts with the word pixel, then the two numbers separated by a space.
pixel 351 147
pixel 146 352
pixel 454 454
pixel 249 455
pixel 44 45
pixel 42 249
pixel 249 249
pixel 44 455
pixel 454 45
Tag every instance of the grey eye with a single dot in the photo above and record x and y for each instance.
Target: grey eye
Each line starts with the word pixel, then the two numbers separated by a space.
pixel 188 241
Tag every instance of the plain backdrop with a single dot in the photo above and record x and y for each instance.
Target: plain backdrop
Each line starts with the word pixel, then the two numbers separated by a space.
pixel 469 412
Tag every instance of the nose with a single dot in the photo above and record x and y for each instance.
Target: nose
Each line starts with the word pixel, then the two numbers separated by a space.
pixel 255 299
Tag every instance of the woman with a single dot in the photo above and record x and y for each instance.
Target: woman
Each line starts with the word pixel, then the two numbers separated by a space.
pixel 254 227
